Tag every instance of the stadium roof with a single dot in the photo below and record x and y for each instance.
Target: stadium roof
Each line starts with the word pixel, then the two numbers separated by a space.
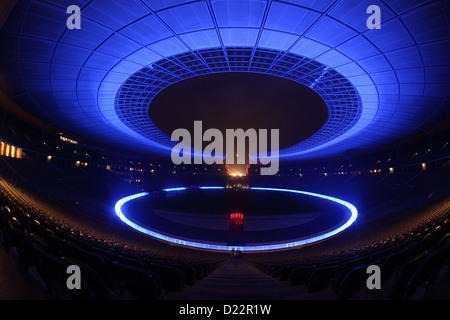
pixel 380 85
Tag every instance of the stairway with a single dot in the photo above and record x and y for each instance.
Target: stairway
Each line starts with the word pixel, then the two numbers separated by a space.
pixel 236 280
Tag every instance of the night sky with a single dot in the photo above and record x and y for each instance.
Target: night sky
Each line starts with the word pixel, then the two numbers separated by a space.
pixel 241 100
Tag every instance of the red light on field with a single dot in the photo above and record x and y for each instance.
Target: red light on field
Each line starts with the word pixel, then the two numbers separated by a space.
pixel 237 218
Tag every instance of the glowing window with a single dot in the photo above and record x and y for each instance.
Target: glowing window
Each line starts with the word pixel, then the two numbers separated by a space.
pixel 237 218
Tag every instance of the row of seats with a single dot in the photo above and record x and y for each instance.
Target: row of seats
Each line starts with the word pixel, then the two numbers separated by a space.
pixel 410 264
pixel 44 248
pixel 107 272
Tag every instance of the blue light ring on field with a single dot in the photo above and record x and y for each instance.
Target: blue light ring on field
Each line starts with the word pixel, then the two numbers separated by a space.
pixel 217 247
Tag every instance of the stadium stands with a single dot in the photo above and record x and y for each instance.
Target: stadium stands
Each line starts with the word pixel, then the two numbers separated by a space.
pixel 44 246
pixel 50 220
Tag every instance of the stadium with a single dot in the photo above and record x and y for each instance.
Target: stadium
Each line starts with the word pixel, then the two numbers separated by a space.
pixel 119 174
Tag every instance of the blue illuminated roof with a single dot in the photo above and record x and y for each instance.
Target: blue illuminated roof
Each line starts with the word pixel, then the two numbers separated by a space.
pixel 379 84
pixel 135 95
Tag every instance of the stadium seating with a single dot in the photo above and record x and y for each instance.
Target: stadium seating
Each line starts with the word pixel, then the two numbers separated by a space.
pixel 37 227
pixel 44 247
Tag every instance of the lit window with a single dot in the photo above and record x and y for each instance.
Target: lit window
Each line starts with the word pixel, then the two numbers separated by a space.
pixel 237 218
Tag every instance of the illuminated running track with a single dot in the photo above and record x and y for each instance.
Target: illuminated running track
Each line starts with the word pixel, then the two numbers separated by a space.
pixel 200 245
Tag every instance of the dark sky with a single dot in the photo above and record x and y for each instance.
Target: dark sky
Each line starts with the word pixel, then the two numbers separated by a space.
pixel 241 100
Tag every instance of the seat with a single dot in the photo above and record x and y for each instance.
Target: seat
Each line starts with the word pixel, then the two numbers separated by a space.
pixel 53 272
pixel 98 263
pixel 427 271
pixel 283 273
pixel 443 240
pixel 26 254
pixel 190 275
pixel 139 283
pixel 298 275
pixel 352 282
pixel 172 278
pixel 391 263
pixel 91 277
pixel 129 261
pixel 272 270
pixel 199 270
pixel 65 248
pixel 320 278
pixel 5 231
pixel 404 274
